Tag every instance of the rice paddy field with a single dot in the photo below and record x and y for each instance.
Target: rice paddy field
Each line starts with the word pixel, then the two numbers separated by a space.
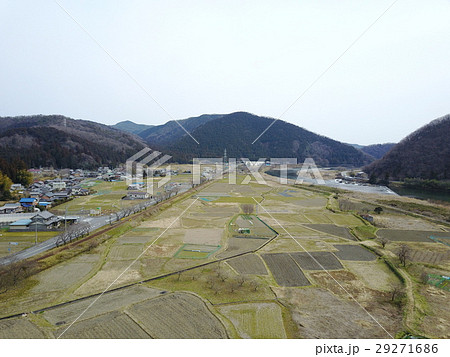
pixel 248 264
pixel 255 320
pixel 284 269
pixel 213 271
pixel 411 235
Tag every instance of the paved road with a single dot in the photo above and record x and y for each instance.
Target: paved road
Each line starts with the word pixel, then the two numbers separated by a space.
pixel 94 222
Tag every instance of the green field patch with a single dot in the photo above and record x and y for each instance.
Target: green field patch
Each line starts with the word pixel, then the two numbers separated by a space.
pixel 365 232
pixel 343 219
pixel 196 251
pixel 439 281
pixel 256 320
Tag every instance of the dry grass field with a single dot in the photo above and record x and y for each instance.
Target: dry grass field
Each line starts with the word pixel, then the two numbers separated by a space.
pixel 248 264
pixel 113 325
pixel 178 315
pixel 19 328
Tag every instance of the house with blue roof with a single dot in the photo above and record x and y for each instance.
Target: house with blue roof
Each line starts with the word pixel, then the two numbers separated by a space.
pixel 28 203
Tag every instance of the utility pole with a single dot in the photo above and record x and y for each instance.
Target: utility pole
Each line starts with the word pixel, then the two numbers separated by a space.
pixel 65 220
pixel 35 233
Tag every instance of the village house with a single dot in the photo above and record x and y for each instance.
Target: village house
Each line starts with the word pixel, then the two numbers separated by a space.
pixel 28 203
pixel 137 195
pixel 11 208
pixel 41 221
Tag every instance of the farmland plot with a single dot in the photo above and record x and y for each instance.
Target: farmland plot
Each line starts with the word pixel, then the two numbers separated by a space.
pixel 354 252
pixel 19 328
pixel 241 245
pixel 311 202
pixel 284 269
pixel 321 314
pixel 203 236
pixel 341 232
pixel 325 260
pixel 248 264
pixel 254 320
pixel 343 219
pixel 118 272
pixel 109 302
pixel 410 235
pixel 65 275
pixel 317 218
pixel 178 315
pixel 125 251
pixel 111 325
pixel 427 256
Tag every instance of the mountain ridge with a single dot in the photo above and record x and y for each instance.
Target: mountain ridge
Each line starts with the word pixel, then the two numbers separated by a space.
pixel 59 141
pixel 423 154
pixel 237 131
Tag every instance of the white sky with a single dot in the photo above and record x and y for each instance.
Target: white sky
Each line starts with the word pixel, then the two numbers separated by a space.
pixel 198 57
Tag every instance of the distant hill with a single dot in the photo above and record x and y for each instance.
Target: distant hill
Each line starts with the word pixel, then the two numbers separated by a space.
pixel 172 131
pixel 58 141
pixel 237 131
pixel 424 154
pixel 131 127
pixel 377 150
pixel 357 146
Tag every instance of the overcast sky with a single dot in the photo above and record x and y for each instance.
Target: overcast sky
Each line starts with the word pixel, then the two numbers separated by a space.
pixel 197 57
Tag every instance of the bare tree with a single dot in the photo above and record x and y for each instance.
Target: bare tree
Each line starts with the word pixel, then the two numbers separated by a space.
pixel 254 284
pixel 396 291
pixel 241 280
pixel 403 253
pixel 12 273
pixel 383 241
pixel 211 282
pixel 233 284
pixel 248 208
pixel 424 277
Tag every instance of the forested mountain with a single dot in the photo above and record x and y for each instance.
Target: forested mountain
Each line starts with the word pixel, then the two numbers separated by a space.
pixel 424 154
pixel 54 140
pixel 172 131
pixel 131 127
pixel 237 131
pixel 377 150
